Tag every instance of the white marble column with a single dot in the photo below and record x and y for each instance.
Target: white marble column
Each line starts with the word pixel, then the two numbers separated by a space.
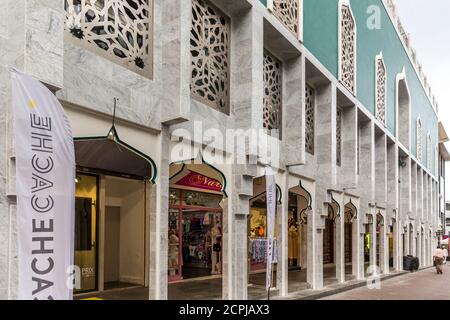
pixel 384 249
pixel 340 241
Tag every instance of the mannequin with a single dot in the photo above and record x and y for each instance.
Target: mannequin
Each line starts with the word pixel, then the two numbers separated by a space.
pixel 173 249
pixel 216 236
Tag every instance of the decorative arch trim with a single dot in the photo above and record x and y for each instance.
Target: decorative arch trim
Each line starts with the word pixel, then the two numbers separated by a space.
pixel 113 137
pixel 183 162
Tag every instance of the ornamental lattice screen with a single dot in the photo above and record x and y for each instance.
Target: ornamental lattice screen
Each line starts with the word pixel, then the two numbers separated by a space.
pixel 287 11
pixel 210 38
pixel 309 124
pixel 338 136
pixel 381 91
pixel 348 49
pixel 272 93
pixel 119 30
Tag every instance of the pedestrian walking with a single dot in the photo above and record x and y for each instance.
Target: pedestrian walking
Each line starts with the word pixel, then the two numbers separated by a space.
pixel 444 248
pixel 438 259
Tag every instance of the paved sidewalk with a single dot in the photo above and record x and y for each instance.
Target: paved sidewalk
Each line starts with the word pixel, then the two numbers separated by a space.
pixel 422 285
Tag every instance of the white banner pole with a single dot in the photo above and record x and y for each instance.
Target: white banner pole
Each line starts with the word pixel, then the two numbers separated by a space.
pixel 45 187
pixel 271 194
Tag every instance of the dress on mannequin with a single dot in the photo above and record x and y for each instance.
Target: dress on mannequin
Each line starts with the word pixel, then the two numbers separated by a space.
pixel 216 235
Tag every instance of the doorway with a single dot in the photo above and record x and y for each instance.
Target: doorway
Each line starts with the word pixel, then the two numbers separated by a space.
pixel 349 218
pixel 329 246
pixel 86 235
pixel 195 232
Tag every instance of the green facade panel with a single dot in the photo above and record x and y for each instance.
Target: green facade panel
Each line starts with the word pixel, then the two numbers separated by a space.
pixel 320 37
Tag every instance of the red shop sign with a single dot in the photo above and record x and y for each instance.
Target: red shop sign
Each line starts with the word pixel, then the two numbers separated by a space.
pixel 199 181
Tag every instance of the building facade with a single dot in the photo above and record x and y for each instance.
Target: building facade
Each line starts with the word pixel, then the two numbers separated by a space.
pixel 156 90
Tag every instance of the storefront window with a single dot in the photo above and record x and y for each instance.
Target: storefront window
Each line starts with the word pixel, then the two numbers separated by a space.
pixel 200 199
pixel 195 234
pixel 86 231
pixel 257 233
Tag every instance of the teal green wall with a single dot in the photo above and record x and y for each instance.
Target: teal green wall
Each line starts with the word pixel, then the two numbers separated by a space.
pixel 321 38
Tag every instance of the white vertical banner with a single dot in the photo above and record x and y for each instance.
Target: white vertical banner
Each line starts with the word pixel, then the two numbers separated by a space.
pixel 271 199
pixel 45 187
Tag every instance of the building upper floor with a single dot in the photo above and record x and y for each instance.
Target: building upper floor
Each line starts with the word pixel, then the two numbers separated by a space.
pixel 173 61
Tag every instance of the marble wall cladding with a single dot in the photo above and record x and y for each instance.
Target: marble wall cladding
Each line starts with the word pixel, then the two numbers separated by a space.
pixel 366 155
pixel 325 133
pixel 93 82
pixel 293 115
pixel 176 72
pixel 44 22
pixel 13 45
pixel 4 25
pixel 4 201
pixel 380 171
pixel 419 194
pixel 392 177
pixel 405 188
pixel 348 176
pixel 414 190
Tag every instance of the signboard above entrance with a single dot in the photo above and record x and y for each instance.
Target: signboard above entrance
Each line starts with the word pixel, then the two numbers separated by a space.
pixel 198 181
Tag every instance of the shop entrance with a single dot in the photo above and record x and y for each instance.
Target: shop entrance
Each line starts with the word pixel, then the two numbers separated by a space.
pixel 391 245
pixel 113 187
pixel 329 248
pixel 379 246
pixel 86 235
pixel 349 218
pixel 257 241
pixel 125 233
pixel 299 204
pixel 411 240
pixel 368 237
pixel 195 231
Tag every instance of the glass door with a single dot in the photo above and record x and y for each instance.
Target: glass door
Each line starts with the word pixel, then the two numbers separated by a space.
pixel 86 201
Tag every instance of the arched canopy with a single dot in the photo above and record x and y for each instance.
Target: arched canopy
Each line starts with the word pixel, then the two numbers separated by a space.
pixel 197 177
pixel 351 213
pixel 109 155
pixel 380 219
pixel 301 191
pixel 259 190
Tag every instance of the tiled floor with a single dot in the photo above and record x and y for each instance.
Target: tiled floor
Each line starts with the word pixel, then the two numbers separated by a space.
pixel 211 289
pixel 422 285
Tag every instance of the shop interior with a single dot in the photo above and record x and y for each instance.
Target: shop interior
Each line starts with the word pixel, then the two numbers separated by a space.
pixel 195 231
pixel 349 218
pixel 113 188
pixel 329 245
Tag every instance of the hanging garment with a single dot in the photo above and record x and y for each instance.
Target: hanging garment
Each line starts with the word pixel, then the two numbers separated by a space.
pixel 259 250
pixel 192 250
pixel 217 247
pixel 206 219
pixel 293 243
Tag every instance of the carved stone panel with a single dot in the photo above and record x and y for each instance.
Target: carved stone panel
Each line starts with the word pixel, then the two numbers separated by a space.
pixel 210 55
pixel 287 11
pixel 348 49
pixel 272 92
pixel 310 113
pixel 118 30
pixel 381 91
pixel 338 136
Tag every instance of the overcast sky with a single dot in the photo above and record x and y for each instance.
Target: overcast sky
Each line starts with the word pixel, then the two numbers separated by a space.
pixel 427 22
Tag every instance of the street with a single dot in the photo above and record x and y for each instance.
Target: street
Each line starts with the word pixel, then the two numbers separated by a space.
pixel 422 285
